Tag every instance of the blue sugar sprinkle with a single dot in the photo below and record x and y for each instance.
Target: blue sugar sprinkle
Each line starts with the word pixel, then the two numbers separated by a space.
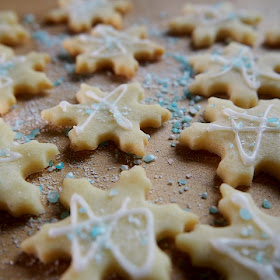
pixel 124 167
pixel 259 257
pixel 50 163
pixel 182 182
pixel 67 131
pixel 41 188
pixel 149 158
pixel 59 166
pixel 64 215
pixel 204 195
pixel 29 18
pixel 177 125
pixel 69 236
pixel 53 197
pixel 18 136
pixel 266 204
pixel 187 119
pixel 173 144
pixel 69 175
pixel 213 210
pixel 113 192
pixel 245 214
pixel 58 82
pixel 273 120
pixel 144 241
pixel 175 130
pixel 96 231
pixel 82 210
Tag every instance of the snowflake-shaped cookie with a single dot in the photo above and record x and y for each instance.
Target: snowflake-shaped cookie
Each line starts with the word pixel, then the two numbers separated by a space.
pixel 272 38
pixel 210 23
pixel 246 140
pixel 11 32
pixel 17 161
pixel 20 75
pixel 116 116
pixel 247 249
pixel 114 230
pixel 107 47
pixel 82 14
pixel 237 72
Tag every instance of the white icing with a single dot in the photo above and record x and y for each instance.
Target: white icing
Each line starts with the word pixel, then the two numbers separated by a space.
pixel 6 155
pixel 265 270
pixel 213 14
pixel 5 65
pixel 104 104
pixel 112 42
pixel 81 262
pixel 234 116
pixel 244 62
pixel 64 105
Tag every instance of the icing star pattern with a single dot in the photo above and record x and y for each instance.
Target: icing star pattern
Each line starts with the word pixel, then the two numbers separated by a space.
pixel 106 47
pixel 11 32
pixel 244 139
pixel 94 233
pixel 210 23
pixel 248 248
pixel 237 72
pixel 17 161
pixel 116 116
pixel 82 14
pixel 20 75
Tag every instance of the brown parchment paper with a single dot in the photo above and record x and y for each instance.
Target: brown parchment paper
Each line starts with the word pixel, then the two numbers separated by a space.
pixel 103 165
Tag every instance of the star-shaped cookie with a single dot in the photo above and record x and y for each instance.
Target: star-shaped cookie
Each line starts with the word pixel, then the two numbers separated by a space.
pixel 237 72
pixel 113 230
pixel 106 47
pixel 246 140
pixel 272 38
pixel 82 14
pixel 11 32
pixel 247 249
pixel 17 161
pixel 116 116
pixel 20 75
pixel 210 23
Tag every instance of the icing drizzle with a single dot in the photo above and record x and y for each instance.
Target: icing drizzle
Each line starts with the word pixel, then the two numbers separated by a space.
pixel 5 66
pixel 265 124
pixel 101 228
pixel 103 104
pixel 112 42
pixel 6 155
pixel 260 262
pixel 244 62
pixel 214 14
pixel 78 8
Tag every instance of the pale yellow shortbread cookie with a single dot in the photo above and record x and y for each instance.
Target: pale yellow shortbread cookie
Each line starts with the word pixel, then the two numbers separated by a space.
pixel 17 161
pixel 238 73
pixel 11 32
pixel 82 14
pixel 20 75
pixel 272 38
pixel 111 231
pixel 246 140
pixel 108 48
pixel 116 116
pixel 220 21
pixel 247 249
